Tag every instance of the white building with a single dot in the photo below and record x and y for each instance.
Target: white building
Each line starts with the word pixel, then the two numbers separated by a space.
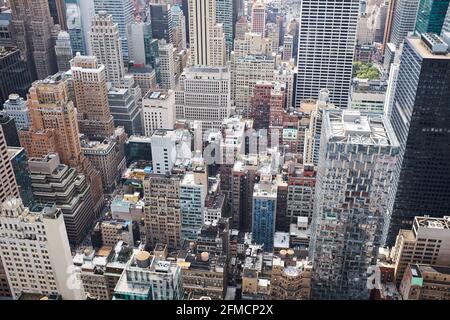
pixel 169 147
pixel 35 251
pixel 326 47
pixel 203 95
pixel 192 204
pixel 16 107
pixel 355 176
pixel 105 45
pixel 166 65
pixel 63 50
pixel 158 111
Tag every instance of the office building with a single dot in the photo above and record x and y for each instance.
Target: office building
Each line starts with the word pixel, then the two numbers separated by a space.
pixel 166 66
pixel 56 183
pixel 258 18
pixel 6 34
pixel 140 43
pixel 224 16
pixel 19 162
pixel 14 74
pixel 122 14
pixel 75 27
pixel 63 49
pixel 431 16
pixel 91 96
pixel 288 46
pixel 348 222
pixel 149 277
pixel 158 111
pixel 138 148
pixel 301 190
pixel 427 242
pixel 16 107
pixel 40 234
pixel 106 46
pixel 446 26
pixel 203 95
pixel 161 20
pixel 108 158
pixel 247 72
pixel 58 12
pixel 9 130
pixel 124 105
pixel 323 60
pixel 29 18
pixel 206 36
pixel 162 210
pixel 419 118
pixel 8 184
pixel 264 212
pixel 192 204
pixel 425 282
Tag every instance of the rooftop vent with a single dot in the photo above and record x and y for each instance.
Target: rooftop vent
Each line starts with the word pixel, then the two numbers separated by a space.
pixel 434 43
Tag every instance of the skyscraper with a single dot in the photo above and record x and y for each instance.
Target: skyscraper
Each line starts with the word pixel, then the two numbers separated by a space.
pixel 224 15
pixel 63 50
pixel 421 118
pixel 8 185
pixel 166 65
pixel 121 12
pixel 58 184
pixel 17 108
pixel 14 74
pixel 206 36
pixel 106 46
pixel 91 95
pixel 358 153
pixel 326 47
pixel 178 28
pixel 40 234
pixel 31 18
pixel 259 18
pixel 58 12
pixel 431 16
pixel 161 20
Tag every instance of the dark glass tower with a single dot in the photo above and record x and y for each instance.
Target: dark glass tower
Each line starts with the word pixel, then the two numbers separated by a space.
pixel 431 16
pixel 19 162
pixel 421 121
pixel 161 20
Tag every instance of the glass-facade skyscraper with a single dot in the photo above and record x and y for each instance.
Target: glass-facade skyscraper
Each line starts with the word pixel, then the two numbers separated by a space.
pixel 431 16
pixel 421 121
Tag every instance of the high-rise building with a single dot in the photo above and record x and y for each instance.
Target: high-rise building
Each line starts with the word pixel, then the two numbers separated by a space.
pixel 178 28
pixel 259 18
pixel 121 12
pixel 16 107
pixel 140 43
pixel 224 16
pixel 58 12
pixel 358 153
pixel 431 16
pixel 162 210
pixel 40 234
pixel 161 20
pixel 192 203
pixel 19 162
pixel 203 95
pixel 63 51
pixel 106 46
pixel 75 27
pixel 247 71
pixel 446 26
pixel 264 212
pixel 166 65
pixel 108 158
pixel 288 47
pixel 55 129
pixel 124 105
pixel 91 96
pixel 428 242
pixel 207 41
pixel 8 184
pixel 325 50
pixel 29 18
pixel 14 74
pixel 6 34
pixel 58 184
pixel 419 118
pixel 301 190
pixel 9 130
pixel 158 111
pixel 403 21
